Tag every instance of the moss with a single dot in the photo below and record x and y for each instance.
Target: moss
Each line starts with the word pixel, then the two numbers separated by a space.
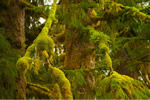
pixel 40 50
pixel 39 90
pixel 92 13
pixel 8 74
pixel 4 44
pixel 97 37
pixel 44 43
pixel 44 55
pixel 37 65
pixel 23 64
pixel 56 91
pixel 62 81
pixel 108 60
pixel 118 86
pixel 30 52
pixel 103 47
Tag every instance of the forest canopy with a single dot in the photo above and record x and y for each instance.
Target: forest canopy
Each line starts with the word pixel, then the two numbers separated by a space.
pixel 74 49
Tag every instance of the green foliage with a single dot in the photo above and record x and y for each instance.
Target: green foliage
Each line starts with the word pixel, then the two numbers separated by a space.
pixel 8 70
pixel 118 86
pixel 4 44
pixel 102 48
pixel 97 37
pixel 41 10
pixel 8 74
pixel 76 78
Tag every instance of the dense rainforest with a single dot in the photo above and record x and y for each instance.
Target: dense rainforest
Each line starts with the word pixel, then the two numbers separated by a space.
pixel 74 49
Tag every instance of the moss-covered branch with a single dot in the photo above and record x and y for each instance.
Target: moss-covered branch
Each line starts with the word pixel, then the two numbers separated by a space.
pixel 63 82
pixel 42 45
pixel 113 10
pixel 53 93
pixel 39 88
pixel 26 3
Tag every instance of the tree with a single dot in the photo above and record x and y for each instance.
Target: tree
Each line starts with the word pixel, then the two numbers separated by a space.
pixel 93 39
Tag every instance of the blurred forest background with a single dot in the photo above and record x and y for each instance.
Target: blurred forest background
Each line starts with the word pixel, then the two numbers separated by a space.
pixel 74 49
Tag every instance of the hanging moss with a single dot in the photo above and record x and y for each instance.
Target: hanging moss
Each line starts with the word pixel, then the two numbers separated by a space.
pixel 108 61
pixel 97 37
pixel 103 48
pixel 23 64
pixel 37 65
pixel 63 82
pixel 118 86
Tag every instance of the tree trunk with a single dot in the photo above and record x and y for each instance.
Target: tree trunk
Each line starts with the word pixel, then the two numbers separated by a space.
pixel 79 53
pixel 14 24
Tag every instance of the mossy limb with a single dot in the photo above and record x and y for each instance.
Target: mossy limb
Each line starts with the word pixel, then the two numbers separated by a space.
pixel 62 81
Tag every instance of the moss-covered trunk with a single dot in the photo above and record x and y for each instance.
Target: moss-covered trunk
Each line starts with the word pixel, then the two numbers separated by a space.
pixel 14 23
pixel 79 53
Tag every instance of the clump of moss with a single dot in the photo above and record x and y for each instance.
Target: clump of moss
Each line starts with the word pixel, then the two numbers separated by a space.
pixel 63 82
pixel 103 48
pixel 23 64
pixel 118 86
pixel 44 42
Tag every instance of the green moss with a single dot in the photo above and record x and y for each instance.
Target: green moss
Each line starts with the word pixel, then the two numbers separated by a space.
pixel 30 52
pixel 23 64
pixel 44 43
pixel 4 44
pixel 8 74
pixel 37 65
pixel 118 86
pixel 108 60
pixel 44 55
pixel 97 37
pixel 103 48
pixel 63 82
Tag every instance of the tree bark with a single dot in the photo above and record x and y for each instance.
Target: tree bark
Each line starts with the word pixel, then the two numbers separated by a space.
pixel 14 24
